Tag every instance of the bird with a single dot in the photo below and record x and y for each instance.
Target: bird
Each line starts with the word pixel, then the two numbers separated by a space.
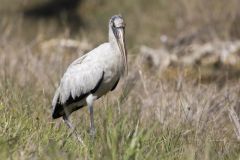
pixel 91 76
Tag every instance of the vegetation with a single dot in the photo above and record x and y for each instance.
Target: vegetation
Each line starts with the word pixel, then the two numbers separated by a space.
pixel 150 115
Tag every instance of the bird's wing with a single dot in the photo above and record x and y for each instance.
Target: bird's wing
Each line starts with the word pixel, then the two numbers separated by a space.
pixel 81 78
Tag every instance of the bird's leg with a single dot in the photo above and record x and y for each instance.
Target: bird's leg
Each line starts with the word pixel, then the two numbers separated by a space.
pixel 71 126
pixel 92 128
pixel 90 99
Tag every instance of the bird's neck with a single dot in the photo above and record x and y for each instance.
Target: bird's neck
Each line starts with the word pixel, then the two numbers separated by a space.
pixel 113 41
pixel 116 51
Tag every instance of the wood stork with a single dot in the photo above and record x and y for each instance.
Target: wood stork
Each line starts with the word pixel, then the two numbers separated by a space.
pixel 92 75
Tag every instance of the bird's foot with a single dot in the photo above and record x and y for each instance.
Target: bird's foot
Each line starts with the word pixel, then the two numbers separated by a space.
pixel 77 136
pixel 92 132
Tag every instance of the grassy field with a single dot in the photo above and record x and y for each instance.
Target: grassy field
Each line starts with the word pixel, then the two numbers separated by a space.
pixel 188 124
pixel 150 115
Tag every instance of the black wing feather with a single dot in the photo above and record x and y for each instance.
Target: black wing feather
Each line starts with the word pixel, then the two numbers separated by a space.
pixel 115 85
pixel 58 110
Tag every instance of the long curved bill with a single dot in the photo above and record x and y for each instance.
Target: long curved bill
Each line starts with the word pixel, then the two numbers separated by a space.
pixel 122 47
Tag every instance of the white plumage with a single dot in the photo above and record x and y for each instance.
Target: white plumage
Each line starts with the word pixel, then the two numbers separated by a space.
pixel 92 75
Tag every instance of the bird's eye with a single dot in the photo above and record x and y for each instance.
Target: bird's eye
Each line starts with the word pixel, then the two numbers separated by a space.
pixel 113 24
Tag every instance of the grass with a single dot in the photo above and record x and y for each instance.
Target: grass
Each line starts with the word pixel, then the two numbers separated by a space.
pixel 180 114
pixel 187 123
pixel 29 133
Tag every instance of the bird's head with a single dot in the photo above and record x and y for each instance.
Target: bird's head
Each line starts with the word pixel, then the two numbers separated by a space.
pixel 117 26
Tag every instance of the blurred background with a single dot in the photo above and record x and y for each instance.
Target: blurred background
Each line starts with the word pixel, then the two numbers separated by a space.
pixel 147 21
pixel 184 61
pixel 201 37
pixel 160 33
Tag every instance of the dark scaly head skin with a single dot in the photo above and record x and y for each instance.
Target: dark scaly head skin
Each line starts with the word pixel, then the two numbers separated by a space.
pixel 117 21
